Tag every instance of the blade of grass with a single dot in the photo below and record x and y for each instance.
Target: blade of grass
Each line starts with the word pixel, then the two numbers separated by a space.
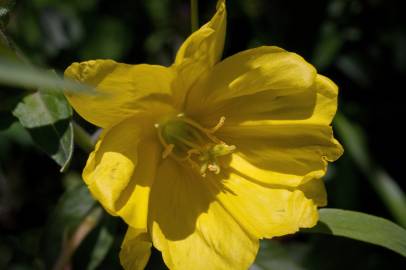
pixel 22 75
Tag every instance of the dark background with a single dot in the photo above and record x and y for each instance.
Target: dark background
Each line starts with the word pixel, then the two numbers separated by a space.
pixel 361 45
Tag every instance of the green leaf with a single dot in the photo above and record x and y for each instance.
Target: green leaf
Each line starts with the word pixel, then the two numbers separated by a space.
pixel 47 117
pixel 74 205
pixel 363 227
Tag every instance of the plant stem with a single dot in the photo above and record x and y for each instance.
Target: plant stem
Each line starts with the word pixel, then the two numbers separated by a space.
pixel 194 15
pixel 72 243
pixel 82 138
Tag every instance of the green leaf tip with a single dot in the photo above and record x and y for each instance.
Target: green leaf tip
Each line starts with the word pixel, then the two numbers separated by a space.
pixel 363 227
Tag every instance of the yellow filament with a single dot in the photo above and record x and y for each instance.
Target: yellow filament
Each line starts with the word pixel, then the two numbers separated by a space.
pixel 207 131
pixel 218 125
pixel 167 151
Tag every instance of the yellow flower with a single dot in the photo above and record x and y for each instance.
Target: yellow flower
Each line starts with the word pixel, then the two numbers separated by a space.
pixel 204 158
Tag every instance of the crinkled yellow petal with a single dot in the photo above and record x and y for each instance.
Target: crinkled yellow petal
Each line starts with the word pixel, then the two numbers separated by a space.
pixel 135 250
pixel 315 190
pixel 262 108
pixel 299 152
pixel 249 72
pixel 191 228
pixel 310 184
pixel 120 89
pixel 326 101
pixel 281 139
pixel 315 106
pixel 264 176
pixel 206 44
pixel 121 170
pixel 199 53
pixel 262 210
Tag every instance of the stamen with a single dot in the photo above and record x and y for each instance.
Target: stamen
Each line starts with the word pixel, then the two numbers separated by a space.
pixel 188 155
pixel 187 141
pixel 193 151
pixel 214 168
pixel 218 125
pixel 203 169
pixel 210 131
pixel 167 151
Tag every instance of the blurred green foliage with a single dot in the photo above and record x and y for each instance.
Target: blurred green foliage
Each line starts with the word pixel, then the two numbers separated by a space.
pixel 360 44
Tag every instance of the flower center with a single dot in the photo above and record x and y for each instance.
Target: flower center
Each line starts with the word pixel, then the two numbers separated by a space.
pixel 187 141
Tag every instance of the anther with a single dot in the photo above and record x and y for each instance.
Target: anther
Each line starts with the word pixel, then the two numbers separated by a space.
pixel 214 168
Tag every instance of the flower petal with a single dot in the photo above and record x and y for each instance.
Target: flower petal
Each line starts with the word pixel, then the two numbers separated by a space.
pixel 199 53
pixel 315 190
pixel 120 87
pixel 264 211
pixel 326 101
pixel 120 172
pixel 135 250
pixel 316 105
pixel 284 139
pixel 249 72
pixel 266 152
pixel 311 184
pixel 206 44
pixel 191 229
pixel 271 178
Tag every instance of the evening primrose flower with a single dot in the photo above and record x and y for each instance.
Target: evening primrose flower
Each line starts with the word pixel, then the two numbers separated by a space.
pixel 205 157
